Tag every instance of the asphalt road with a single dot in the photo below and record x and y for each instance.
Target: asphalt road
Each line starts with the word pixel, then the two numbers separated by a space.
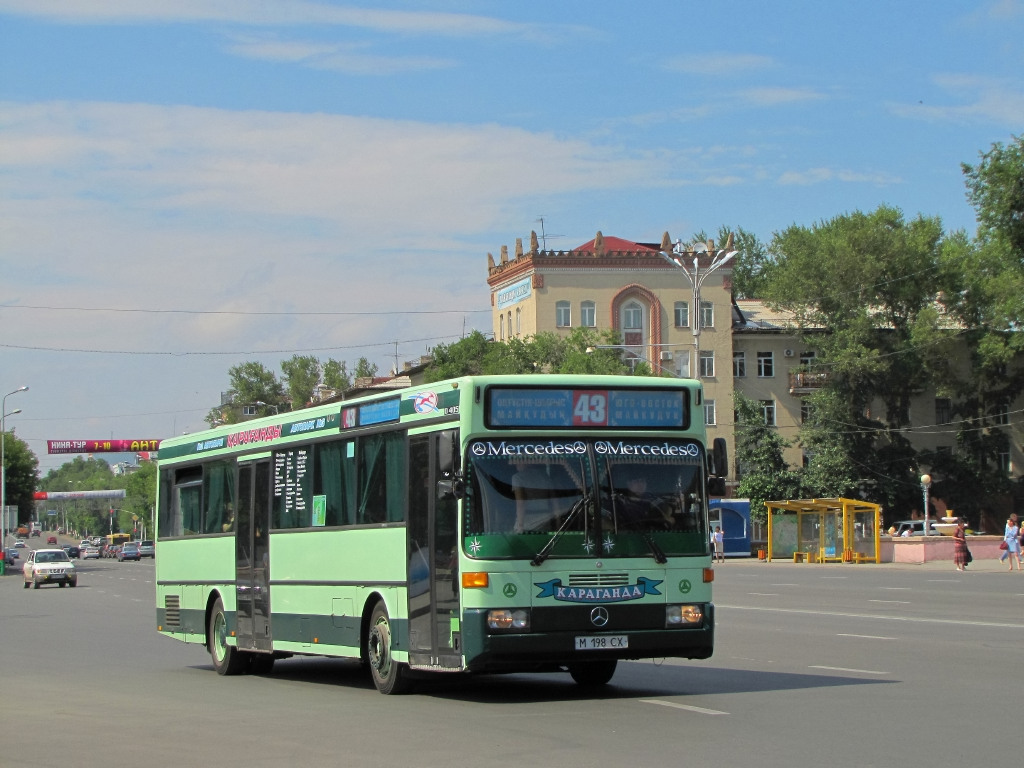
pixel 845 665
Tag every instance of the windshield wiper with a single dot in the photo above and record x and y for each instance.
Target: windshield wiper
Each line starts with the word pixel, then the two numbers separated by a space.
pixel 541 556
pixel 659 555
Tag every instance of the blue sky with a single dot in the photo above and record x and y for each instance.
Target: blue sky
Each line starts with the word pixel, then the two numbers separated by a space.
pixel 190 185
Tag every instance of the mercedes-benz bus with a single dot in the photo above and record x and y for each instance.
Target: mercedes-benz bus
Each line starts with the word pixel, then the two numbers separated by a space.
pixel 476 525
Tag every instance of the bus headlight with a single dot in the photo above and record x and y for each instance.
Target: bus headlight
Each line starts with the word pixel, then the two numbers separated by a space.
pixel 680 615
pixel 509 620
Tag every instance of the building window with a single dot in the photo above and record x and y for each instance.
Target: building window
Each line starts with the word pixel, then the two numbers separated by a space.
pixel 807 359
pixel 1001 415
pixel 682 314
pixel 249 410
pixel 943 410
pixel 563 314
pixel 739 364
pixel 519 321
pixel 709 412
pixel 510 323
pixel 588 314
pixel 633 324
pixel 765 364
pixel 1004 462
pixel 683 364
pixel 768 410
pixel 707 314
pixel 501 327
pixel 806 412
pixel 707 365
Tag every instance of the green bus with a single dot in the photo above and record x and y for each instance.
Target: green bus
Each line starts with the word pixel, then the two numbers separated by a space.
pixel 479 525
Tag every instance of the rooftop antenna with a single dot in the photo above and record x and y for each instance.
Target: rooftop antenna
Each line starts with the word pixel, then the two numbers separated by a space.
pixel 544 235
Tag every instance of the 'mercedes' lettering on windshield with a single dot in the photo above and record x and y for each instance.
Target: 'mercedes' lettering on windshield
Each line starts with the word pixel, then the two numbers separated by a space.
pixel 623 448
pixel 549 448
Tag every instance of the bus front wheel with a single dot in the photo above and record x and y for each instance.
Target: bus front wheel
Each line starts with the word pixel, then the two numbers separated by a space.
pixel 227 659
pixel 388 675
pixel 593 672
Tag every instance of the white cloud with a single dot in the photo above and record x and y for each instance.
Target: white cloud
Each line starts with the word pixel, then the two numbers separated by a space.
pixel 340 57
pixel 718 64
pixel 262 13
pixel 772 97
pixel 983 100
pixel 812 176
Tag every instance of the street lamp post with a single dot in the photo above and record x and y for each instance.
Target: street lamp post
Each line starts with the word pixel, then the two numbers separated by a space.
pixel 696 277
pixel 926 484
pixel 3 469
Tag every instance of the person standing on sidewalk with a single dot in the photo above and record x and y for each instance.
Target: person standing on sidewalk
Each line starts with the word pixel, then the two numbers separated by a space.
pixel 960 545
pixel 718 540
pixel 1012 550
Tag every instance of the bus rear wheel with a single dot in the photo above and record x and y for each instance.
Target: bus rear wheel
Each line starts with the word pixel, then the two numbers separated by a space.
pixel 227 659
pixel 388 675
pixel 591 673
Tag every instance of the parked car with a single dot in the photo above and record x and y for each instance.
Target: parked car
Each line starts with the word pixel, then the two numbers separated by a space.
pixel 90 552
pixel 49 566
pixel 129 551
pixel 51 539
pixel 73 550
pixel 147 549
pixel 912 527
pixel 10 555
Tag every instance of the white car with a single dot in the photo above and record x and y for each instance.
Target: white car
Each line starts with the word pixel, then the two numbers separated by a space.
pixel 89 552
pixel 49 566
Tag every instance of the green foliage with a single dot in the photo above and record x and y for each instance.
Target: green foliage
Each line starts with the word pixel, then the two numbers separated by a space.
pixel 545 352
pixel 996 190
pixel 336 376
pixel 21 470
pixel 364 369
pixel 301 375
pixel 765 475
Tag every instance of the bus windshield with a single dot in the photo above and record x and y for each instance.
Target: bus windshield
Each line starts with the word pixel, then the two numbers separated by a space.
pixel 598 497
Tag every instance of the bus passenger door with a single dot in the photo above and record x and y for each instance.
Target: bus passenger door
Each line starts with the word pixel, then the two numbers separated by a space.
pixel 252 557
pixel 433 578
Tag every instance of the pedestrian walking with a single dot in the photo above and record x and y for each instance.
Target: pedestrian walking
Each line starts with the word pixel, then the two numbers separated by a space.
pixel 1011 543
pixel 960 545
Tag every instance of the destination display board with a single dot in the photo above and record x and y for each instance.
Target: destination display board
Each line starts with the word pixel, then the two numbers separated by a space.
pixel 537 408
pixel 292 486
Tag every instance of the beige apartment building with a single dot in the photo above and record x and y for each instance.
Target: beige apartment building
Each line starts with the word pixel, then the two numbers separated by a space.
pixel 742 345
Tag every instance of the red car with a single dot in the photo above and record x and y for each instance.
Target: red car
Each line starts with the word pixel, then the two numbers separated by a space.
pixel 51 540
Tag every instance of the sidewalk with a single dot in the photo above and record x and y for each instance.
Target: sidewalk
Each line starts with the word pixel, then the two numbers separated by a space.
pixel 986 565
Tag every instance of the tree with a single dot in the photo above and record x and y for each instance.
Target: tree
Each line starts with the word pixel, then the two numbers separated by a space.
pixel 364 369
pixel 21 473
pixel 301 377
pixel 764 475
pixel 335 375
pixel 995 188
pixel 251 383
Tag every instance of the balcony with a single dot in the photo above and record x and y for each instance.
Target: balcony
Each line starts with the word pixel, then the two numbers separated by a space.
pixel 804 383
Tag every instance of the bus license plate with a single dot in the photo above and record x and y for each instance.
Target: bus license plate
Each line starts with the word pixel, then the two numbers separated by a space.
pixel 601 642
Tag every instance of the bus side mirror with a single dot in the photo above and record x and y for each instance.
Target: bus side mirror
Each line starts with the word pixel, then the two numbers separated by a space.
pixel 450 488
pixel 718 467
pixel 720 453
pixel 448 452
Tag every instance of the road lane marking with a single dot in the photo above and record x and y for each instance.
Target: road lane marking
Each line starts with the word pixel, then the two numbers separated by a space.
pixel 764 594
pixel 865 637
pixel 687 707
pixel 878 617
pixel 845 669
pixel 898 602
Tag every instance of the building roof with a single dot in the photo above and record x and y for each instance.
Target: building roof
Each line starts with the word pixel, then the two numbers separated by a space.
pixel 613 244
pixel 755 315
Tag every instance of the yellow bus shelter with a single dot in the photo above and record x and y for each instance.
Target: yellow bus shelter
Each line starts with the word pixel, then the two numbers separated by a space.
pixel 824 530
